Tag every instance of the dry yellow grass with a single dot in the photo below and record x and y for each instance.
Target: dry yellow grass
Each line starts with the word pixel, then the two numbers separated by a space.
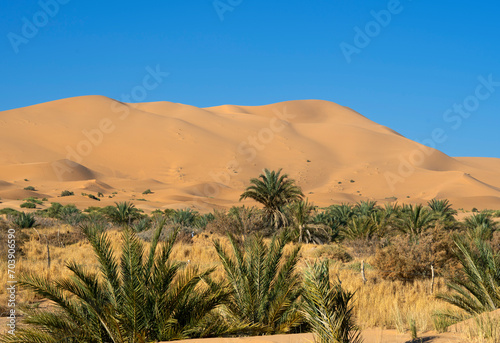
pixel 379 303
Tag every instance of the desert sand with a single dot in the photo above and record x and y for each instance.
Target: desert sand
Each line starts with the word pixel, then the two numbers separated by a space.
pixel 369 336
pixel 204 157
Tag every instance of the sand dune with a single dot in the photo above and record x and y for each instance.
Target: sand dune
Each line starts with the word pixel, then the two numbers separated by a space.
pixel 204 157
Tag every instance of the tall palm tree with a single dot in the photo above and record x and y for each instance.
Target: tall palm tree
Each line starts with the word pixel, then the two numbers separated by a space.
pixel 328 307
pixel 274 191
pixel 140 297
pixel 478 289
pixel 414 220
pixel 265 286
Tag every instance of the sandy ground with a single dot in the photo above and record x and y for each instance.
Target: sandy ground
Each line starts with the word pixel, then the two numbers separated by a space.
pixel 369 336
pixel 204 157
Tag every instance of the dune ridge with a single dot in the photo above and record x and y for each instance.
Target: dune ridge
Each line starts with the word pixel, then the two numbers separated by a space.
pixel 204 157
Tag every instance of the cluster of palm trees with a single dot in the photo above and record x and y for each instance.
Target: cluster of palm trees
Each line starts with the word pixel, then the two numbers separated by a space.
pixel 142 295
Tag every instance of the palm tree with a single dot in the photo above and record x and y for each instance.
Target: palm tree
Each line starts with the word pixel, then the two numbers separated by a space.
pixel 480 225
pixel 365 208
pixel 414 220
pixel 124 213
pixel 478 289
pixel 301 214
pixel 274 191
pixel 342 213
pixel 327 307
pixel 442 209
pixel 142 296
pixel 480 219
pixel 265 286
pixel 362 227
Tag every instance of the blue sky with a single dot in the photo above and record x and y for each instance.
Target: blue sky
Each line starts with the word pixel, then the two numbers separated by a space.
pixel 411 67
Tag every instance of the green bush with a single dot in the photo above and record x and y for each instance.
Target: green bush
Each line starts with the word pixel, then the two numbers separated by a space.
pixel 92 196
pixel 28 205
pixel 34 200
pixel 67 193
pixel 29 188
pixel 9 211
pixel 147 191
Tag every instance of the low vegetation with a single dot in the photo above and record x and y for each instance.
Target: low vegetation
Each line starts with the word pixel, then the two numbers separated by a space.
pixel 286 267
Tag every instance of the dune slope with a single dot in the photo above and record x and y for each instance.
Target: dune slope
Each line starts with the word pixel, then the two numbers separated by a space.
pixel 204 157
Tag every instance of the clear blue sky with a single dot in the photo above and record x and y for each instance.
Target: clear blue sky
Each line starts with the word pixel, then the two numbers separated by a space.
pixel 416 66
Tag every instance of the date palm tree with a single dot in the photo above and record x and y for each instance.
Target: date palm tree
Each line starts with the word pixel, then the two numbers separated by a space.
pixel 123 213
pixel 362 227
pixel 328 307
pixel 414 220
pixel 477 290
pixel 139 297
pixel 274 191
pixel 302 220
pixel 442 209
pixel 265 286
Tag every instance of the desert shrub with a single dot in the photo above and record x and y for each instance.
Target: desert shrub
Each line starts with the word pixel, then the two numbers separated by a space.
pixel 67 193
pixel 54 210
pixel 185 236
pixel 100 195
pixel 29 188
pixel 63 238
pixel 28 205
pixel 333 252
pixel 93 197
pixel 34 200
pixel 8 211
pixel 363 248
pixel 239 221
pixel 71 215
pixel 147 191
pixel 408 258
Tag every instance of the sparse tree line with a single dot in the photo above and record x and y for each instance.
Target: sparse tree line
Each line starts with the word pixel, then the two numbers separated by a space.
pixel 143 295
